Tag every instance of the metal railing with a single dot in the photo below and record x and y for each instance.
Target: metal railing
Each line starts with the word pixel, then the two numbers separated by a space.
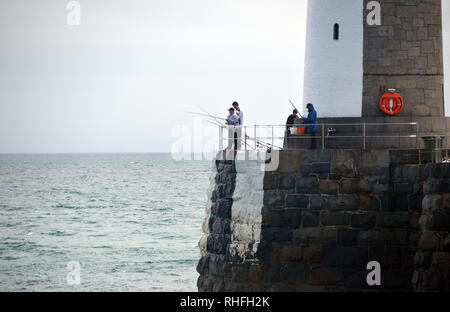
pixel 258 137
pixel 439 151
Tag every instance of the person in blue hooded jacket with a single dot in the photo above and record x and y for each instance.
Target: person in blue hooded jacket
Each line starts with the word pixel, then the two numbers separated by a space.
pixel 311 121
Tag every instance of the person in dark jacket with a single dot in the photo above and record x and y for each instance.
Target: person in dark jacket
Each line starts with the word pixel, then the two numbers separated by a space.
pixel 311 121
pixel 290 121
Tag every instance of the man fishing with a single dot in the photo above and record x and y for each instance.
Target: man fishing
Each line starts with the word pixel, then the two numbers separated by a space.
pixel 232 121
pixel 311 121
pixel 238 130
pixel 239 113
pixel 291 120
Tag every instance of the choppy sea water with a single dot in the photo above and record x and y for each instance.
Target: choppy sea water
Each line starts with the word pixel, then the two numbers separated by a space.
pixel 132 222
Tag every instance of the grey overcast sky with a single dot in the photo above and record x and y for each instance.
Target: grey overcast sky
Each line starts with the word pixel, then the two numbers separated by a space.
pixel 122 80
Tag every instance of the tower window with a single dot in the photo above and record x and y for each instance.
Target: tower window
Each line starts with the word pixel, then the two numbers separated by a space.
pixel 336 31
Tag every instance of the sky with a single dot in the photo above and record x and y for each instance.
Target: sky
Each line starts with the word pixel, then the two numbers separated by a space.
pixel 125 77
pixel 123 80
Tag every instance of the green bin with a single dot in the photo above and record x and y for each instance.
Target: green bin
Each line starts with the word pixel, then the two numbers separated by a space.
pixel 433 148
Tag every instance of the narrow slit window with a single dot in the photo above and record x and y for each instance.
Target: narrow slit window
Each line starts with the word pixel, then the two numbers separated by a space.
pixel 336 31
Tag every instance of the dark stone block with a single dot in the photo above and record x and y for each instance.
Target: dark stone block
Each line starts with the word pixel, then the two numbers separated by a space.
pixel 270 181
pixel 219 226
pixel 282 218
pixel 326 276
pixel 356 279
pixel 377 254
pixel 310 219
pixel 225 177
pixel 353 186
pixel 230 166
pixel 335 176
pixel 347 237
pixel 398 203
pixel 369 203
pixel 330 187
pixel 296 272
pixel 319 202
pixel 297 201
pixel 334 218
pixel 343 202
pixel 342 255
pixel 286 181
pixel 381 189
pixel 272 272
pixel 393 257
pixel 308 185
pixel 222 208
pixel 219 266
pixel 413 173
pixel 433 186
pixel 440 171
pixel 202 266
pixel 239 273
pixel 422 259
pixel 306 170
pixel 393 219
pixel 274 234
pixel 313 156
pixel 225 190
pixel 273 198
pixel 219 165
pixel 415 202
pixel 214 196
pixel 256 274
pixel 321 168
pixel 397 280
pixel 363 220
pixel 403 188
pixel 432 280
pixel 217 243
pixel 439 222
pixel 446 244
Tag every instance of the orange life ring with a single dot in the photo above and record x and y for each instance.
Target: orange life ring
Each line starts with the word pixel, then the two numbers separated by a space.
pixel 391 103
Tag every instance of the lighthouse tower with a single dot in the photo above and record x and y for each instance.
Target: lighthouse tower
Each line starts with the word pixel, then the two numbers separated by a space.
pixel 350 64
pixel 334 57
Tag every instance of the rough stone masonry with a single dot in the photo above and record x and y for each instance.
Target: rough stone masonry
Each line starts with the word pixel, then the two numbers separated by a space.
pixel 315 223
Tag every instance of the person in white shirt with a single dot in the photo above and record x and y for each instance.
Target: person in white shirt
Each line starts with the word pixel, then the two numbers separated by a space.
pixel 239 113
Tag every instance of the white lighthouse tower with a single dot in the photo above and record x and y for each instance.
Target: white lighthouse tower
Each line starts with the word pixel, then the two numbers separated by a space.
pixel 334 57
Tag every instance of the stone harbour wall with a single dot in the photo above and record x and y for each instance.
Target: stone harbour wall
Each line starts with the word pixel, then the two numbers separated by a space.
pixel 432 260
pixel 321 217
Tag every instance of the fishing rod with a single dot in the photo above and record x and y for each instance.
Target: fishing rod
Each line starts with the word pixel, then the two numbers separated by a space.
pixel 206 112
pixel 213 123
pixel 210 116
pixel 295 108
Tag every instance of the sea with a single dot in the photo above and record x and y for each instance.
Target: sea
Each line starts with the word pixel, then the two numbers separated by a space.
pixel 101 222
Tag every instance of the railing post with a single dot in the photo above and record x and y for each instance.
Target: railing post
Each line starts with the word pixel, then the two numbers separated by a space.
pixel 245 138
pixel 364 135
pixel 436 153
pixel 417 136
pixel 256 144
pixel 323 136
pixel 220 138
pixel 446 147
pixel 272 138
